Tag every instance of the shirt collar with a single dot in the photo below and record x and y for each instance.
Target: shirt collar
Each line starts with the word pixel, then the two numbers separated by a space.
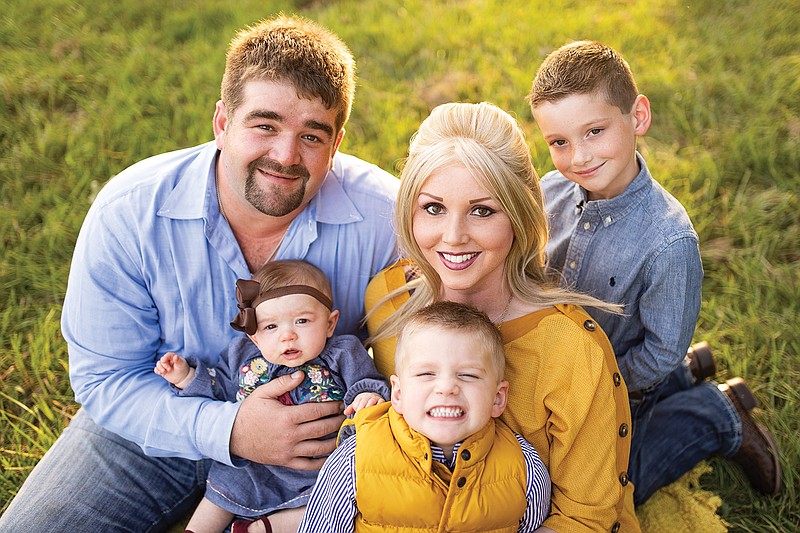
pixel 618 207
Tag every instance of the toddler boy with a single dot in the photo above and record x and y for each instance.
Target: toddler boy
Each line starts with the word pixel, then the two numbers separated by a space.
pixel 436 456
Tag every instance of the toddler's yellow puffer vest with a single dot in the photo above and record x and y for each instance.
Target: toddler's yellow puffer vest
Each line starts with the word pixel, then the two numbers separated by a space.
pixel 400 488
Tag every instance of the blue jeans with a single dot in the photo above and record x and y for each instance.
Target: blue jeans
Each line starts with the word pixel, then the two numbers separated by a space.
pixel 94 480
pixel 677 424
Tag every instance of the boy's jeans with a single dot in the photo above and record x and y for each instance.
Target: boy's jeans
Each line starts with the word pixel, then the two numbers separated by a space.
pixel 677 424
pixel 94 480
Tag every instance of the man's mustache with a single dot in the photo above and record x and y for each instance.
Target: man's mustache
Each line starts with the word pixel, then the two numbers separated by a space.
pixel 270 165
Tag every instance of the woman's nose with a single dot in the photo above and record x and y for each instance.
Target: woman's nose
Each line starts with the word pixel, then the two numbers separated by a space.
pixel 455 231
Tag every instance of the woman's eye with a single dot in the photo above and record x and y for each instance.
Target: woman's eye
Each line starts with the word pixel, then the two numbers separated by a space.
pixel 483 211
pixel 558 142
pixel 433 209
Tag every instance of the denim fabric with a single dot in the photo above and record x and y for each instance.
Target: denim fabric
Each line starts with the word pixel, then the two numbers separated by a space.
pixel 675 428
pixel 93 480
pixel 154 270
pixel 638 249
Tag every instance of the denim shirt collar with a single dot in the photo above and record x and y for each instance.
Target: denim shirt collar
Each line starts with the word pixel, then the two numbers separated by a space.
pixel 616 208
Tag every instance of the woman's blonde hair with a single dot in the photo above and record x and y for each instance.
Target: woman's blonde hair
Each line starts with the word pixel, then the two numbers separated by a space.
pixel 489 143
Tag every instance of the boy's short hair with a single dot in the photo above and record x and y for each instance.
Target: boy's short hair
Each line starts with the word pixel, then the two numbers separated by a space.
pixel 277 274
pixel 456 317
pixel 296 50
pixel 584 67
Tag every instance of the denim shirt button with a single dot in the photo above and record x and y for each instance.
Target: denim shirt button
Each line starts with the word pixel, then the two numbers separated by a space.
pixel 607 220
pixel 573 264
pixel 586 225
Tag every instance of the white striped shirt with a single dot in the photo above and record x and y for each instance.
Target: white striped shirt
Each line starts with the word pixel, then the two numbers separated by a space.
pixel 332 507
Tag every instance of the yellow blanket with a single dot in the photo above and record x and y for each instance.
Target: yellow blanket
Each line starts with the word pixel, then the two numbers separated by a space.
pixel 683 506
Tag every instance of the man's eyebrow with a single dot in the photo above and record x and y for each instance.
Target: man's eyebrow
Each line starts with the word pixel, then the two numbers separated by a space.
pixel 321 126
pixel 269 115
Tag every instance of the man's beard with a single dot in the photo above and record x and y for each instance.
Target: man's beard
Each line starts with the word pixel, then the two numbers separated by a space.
pixel 275 201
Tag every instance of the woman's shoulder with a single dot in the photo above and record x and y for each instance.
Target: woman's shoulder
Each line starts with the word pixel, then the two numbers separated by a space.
pixel 561 328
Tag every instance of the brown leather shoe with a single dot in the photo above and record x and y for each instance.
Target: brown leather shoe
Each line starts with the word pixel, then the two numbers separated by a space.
pixel 758 455
pixel 701 362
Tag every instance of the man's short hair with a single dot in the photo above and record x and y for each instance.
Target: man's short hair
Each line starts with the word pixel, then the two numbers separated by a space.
pixel 292 49
pixel 584 67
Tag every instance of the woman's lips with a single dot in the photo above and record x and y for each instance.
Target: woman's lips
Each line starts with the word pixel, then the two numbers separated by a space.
pixel 458 261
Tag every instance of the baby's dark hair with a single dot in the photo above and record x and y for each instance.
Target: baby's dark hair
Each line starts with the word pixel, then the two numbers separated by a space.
pixel 276 274
pixel 456 317
pixel 584 67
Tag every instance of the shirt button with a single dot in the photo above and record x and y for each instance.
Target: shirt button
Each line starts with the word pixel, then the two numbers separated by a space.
pixel 461 482
pixel 586 225
pixel 608 220
pixel 623 430
pixel 623 479
pixel 466 455
pixel 573 264
pixel 617 379
pixel 590 325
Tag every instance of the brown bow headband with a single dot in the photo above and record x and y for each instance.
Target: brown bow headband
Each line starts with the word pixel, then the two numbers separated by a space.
pixel 248 299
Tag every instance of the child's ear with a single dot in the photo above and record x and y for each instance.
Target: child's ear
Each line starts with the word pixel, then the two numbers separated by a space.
pixel 500 399
pixel 333 319
pixel 641 115
pixel 396 403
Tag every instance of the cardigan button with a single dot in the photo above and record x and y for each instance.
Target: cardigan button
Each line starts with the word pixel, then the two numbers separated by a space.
pixel 615 528
pixel 623 430
pixel 617 379
pixel 466 455
pixel 461 482
pixel 590 325
pixel 623 479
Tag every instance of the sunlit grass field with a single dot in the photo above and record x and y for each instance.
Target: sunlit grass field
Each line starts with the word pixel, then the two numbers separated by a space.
pixel 87 88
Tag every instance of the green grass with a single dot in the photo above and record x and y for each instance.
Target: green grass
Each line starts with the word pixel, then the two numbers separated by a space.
pixel 87 88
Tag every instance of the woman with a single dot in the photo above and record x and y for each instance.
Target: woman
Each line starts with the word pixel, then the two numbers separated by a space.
pixel 471 223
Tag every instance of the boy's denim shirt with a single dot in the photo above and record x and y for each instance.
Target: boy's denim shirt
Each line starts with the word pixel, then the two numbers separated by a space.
pixel 638 249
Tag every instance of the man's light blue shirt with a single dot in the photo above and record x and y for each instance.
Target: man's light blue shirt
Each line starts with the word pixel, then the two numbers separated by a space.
pixel 638 249
pixel 154 270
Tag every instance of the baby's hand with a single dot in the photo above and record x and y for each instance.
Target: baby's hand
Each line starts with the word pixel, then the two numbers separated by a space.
pixel 365 399
pixel 173 368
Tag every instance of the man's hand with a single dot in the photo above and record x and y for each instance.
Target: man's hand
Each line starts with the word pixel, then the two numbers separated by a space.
pixel 268 432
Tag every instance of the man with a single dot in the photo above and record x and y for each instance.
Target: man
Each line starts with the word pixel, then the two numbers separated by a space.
pixel 158 254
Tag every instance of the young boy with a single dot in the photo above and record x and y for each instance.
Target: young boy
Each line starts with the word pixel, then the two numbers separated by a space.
pixel 288 317
pixel 436 457
pixel 618 235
